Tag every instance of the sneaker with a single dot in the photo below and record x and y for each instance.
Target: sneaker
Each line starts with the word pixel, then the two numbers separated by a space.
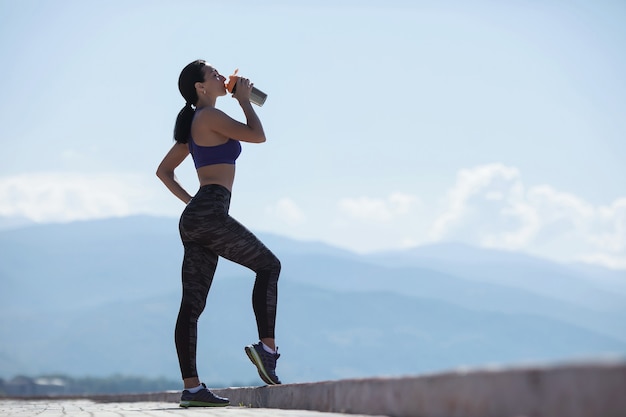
pixel 265 363
pixel 202 398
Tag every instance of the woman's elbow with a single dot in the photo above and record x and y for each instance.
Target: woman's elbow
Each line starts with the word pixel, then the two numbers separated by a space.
pixel 162 173
pixel 255 135
pixel 259 137
pixel 254 139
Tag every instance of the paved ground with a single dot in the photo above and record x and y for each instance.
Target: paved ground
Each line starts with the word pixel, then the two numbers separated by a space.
pixel 86 408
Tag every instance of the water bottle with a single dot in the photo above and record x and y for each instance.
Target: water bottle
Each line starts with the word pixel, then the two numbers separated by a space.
pixel 256 96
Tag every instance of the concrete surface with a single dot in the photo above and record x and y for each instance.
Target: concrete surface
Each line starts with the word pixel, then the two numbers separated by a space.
pixel 88 408
pixel 569 390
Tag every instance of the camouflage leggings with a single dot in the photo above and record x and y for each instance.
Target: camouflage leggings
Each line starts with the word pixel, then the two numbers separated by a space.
pixel 207 232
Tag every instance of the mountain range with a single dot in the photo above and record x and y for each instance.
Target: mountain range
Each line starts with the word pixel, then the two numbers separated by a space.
pixel 97 298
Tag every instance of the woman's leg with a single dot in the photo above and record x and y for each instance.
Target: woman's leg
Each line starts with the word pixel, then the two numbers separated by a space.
pixel 239 245
pixel 207 231
pixel 198 270
pixel 236 243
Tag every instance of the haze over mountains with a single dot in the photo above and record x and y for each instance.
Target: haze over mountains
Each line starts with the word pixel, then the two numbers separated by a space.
pixel 101 297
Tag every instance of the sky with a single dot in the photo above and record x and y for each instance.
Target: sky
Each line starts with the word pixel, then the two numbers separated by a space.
pixel 390 124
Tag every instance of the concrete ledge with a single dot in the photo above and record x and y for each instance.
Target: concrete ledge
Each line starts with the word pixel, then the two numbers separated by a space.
pixel 583 390
pixel 575 390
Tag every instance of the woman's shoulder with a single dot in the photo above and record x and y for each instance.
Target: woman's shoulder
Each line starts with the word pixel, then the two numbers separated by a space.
pixel 208 113
pixel 211 118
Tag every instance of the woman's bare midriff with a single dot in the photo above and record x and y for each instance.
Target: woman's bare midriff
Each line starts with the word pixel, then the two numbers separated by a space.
pixel 220 174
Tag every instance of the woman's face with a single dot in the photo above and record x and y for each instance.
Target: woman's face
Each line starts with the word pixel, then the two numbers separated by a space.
pixel 214 81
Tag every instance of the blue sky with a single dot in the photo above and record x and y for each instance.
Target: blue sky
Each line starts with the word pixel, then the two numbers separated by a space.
pixel 390 124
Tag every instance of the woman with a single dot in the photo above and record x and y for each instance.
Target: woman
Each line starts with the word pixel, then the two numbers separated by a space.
pixel 206 229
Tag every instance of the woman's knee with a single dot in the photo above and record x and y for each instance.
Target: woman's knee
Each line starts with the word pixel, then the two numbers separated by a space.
pixel 269 267
pixel 275 264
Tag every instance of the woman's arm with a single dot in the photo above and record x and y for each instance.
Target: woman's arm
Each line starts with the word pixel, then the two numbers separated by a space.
pixel 166 168
pixel 220 122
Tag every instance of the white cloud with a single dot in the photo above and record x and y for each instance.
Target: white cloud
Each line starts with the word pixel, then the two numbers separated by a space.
pixel 492 182
pixel 287 211
pixel 365 224
pixel 488 206
pixel 376 209
pixel 491 206
pixel 62 197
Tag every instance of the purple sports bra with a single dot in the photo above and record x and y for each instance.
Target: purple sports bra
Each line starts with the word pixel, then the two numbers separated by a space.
pixel 225 153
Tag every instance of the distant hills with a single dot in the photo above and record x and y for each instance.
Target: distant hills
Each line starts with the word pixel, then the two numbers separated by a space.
pixel 98 298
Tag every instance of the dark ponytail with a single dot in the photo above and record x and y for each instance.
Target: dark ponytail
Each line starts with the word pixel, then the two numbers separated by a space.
pixel 189 76
pixel 182 128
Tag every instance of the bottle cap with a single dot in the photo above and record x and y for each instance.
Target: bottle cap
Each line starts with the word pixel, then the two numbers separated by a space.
pixel 232 80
